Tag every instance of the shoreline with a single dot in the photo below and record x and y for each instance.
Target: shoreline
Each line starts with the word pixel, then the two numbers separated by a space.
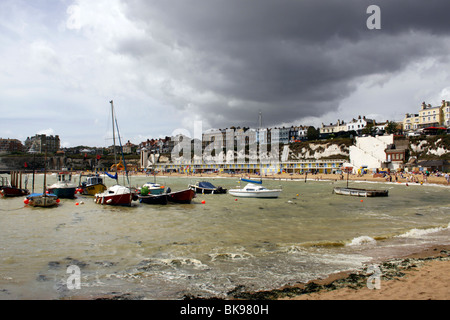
pixel 406 179
pixel 421 275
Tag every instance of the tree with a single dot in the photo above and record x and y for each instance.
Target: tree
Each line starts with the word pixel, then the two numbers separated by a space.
pixel 369 129
pixel 312 133
pixel 391 127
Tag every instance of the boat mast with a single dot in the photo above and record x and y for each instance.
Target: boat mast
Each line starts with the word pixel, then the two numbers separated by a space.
pixel 114 138
pixel 45 174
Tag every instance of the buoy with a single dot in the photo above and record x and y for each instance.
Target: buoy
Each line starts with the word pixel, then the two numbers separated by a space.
pixel 362 200
pixel 57 200
pixel 77 204
pixel 26 201
pixel 297 194
pixel 203 202
pixel 235 199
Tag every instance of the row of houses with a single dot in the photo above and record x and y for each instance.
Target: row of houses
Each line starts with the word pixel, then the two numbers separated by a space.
pixel 39 143
pixel 355 125
pixel 428 116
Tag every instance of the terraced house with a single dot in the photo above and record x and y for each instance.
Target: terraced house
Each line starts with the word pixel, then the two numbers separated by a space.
pixel 428 116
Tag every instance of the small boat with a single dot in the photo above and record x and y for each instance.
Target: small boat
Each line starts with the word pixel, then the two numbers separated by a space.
pixel 93 185
pixel 63 188
pixel 152 193
pixel 360 192
pixel 116 195
pixel 205 187
pixel 152 188
pixel 153 198
pixel 41 200
pixel 8 189
pixel 45 199
pixel 183 196
pixel 252 181
pixel 254 191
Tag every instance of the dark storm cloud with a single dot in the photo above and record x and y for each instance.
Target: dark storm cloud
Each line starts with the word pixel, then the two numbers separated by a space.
pixel 288 59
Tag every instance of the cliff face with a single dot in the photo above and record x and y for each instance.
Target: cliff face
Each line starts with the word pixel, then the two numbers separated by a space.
pixel 437 147
pixel 338 149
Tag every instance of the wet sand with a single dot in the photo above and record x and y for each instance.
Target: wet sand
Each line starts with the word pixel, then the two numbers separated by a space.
pixel 423 275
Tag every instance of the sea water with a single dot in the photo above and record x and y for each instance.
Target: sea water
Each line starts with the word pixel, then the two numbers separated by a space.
pixel 209 249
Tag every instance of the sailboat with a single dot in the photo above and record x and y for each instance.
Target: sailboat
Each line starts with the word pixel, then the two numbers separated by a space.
pixel 116 195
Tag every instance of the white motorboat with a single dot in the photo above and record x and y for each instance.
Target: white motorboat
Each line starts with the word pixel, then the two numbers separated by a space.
pixel 255 191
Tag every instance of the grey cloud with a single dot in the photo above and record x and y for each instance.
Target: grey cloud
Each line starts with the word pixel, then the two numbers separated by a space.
pixel 288 59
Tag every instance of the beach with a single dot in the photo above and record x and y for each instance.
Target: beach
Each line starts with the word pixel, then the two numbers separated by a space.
pixel 406 178
pixel 420 276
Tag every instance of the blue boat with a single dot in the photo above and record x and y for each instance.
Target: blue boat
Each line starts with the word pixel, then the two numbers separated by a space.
pixel 41 200
pixel 63 188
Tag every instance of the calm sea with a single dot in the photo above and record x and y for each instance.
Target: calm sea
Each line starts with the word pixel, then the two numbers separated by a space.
pixel 208 249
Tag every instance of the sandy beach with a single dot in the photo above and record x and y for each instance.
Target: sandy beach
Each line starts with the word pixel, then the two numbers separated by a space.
pixel 406 178
pixel 421 276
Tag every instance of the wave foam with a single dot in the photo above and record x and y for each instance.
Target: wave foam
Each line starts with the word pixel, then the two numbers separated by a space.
pixel 362 240
pixel 415 233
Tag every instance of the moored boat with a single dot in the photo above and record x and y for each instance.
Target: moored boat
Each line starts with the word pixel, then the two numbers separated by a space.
pixel 255 191
pixel 63 188
pixel 152 193
pixel 13 188
pixel 7 191
pixel 153 198
pixel 182 196
pixel 116 195
pixel 360 192
pixel 93 185
pixel 205 187
pixel 152 188
pixel 41 200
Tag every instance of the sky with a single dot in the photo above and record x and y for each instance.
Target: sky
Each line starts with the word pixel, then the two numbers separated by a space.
pixel 176 65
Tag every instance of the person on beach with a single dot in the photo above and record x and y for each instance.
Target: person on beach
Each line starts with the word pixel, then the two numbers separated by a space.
pixel 447 177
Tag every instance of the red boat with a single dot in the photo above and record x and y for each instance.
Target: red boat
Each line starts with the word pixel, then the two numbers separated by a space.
pixel 13 192
pixel 116 196
pixel 13 188
pixel 183 196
